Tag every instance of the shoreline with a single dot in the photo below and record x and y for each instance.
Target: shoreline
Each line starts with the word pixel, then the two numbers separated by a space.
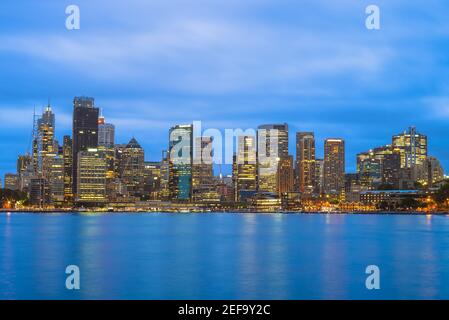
pixel 94 211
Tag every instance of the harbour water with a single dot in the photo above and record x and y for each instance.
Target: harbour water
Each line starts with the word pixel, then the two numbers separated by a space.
pixel 223 256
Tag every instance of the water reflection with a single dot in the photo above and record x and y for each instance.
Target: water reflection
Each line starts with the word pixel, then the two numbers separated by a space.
pixel 227 256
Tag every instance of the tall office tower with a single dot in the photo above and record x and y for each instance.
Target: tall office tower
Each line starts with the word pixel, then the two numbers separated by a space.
pixel 85 132
pixel 106 144
pixel 434 171
pixel 131 169
pixel 272 145
pixel 319 176
pixel 12 181
pixel 412 147
pixel 334 166
pixel 285 175
pixel 56 180
pixel 305 162
pixel 165 191
pixel 45 141
pixel 180 158
pixel 91 178
pixel 152 179
pixel 68 167
pixel 202 168
pixel 244 169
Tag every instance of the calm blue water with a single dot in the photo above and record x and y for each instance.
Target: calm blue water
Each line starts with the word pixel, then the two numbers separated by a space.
pixel 223 256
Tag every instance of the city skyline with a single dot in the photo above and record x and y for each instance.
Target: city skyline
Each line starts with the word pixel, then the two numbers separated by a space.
pixel 226 168
pixel 90 169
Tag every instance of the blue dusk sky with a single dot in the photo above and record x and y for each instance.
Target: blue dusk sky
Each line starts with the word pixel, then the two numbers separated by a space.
pixel 231 64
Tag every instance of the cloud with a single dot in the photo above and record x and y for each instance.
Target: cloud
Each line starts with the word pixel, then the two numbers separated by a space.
pixel 203 55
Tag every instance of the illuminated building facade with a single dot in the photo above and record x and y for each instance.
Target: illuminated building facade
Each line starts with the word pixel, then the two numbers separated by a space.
pixel 91 178
pixel 285 175
pixel 106 144
pixel 334 166
pixel 244 168
pixel 68 167
pixel 305 162
pixel 152 180
pixel 44 142
pixel 56 180
pixel 131 169
pixel 319 176
pixel 165 174
pixel 412 147
pixel 180 157
pixel 202 169
pixel 272 145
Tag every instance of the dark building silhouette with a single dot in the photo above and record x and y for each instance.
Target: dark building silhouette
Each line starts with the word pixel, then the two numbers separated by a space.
pixel 85 131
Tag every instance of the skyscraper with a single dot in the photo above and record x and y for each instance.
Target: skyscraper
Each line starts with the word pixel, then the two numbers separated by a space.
pixel 245 167
pixel 91 178
pixel 180 156
pixel 131 169
pixel 165 174
pixel 202 169
pixel 56 180
pixel 106 144
pixel 272 145
pixel 305 162
pixel 412 147
pixel 68 167
pixel 334 166
pixel 45 141
pixel 85 131
pixel 319 176
pixel 285 175
pixel 152 179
